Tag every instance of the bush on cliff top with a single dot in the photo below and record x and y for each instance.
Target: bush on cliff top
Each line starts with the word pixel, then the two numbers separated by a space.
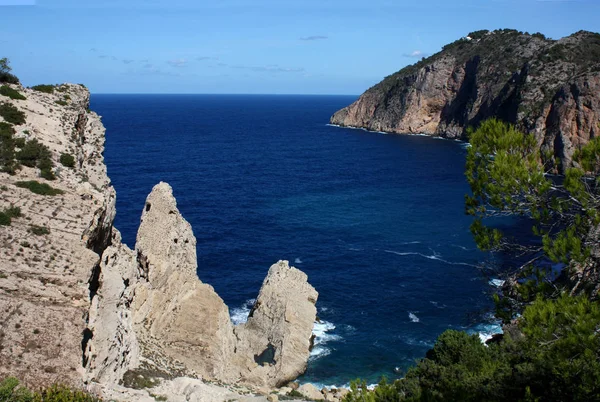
pixel 45 88
pixel 5 75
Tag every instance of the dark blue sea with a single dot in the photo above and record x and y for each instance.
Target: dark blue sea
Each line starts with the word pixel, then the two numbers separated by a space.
pixel 376 221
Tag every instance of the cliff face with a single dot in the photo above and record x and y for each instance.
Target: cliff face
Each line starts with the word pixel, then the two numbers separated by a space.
pixel 547 88
pixel 78 306
pixel 45 278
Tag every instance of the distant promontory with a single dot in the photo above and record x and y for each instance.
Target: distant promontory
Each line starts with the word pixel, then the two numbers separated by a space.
pixel 548 88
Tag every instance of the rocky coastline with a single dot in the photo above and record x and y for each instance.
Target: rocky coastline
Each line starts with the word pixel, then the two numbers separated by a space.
pixel 79 307
pixel 548 88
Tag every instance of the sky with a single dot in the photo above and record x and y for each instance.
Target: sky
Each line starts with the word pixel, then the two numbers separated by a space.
pixel 253 46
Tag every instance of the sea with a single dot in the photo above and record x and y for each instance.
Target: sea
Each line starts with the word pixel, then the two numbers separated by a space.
pixel 377 221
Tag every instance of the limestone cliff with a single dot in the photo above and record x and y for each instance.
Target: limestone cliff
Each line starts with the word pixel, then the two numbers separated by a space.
pixel 78 306
pixel 548 88
pixel 50 253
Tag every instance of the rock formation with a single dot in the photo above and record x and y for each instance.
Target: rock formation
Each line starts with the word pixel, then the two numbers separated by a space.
pixel 275 341
pixel 547 88
pixel 78 306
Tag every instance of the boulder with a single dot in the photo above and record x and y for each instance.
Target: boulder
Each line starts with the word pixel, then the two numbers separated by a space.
pixel 310 392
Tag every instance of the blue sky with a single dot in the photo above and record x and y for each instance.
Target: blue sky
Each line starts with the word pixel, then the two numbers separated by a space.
pixel 258 46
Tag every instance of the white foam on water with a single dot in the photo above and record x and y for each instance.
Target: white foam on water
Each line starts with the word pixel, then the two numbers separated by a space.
pixel 463 144
pixel 487 331
pixel 497 282
pixel 462 247
pixel 239 315
pixel 438 305
pixel 413 317
pixel 435 256
pixel 298 261
pixel 321 331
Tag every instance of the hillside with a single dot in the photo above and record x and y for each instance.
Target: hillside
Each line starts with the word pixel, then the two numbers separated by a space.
pixel 549 88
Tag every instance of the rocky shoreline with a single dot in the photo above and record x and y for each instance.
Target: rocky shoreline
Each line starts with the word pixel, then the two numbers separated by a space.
pixel 77 306
pixel 547 88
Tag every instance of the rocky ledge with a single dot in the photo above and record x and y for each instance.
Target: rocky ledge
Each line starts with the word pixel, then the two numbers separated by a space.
pixel 549 88
pixel 78 306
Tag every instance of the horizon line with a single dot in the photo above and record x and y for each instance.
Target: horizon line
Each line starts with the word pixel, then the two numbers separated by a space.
pixel 219 94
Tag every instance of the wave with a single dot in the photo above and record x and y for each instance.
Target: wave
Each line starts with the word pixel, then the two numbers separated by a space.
pixel 487 331
pixel 435 256
pixel 413 317
pixel 463 247
pixel 298 261
pixel 497 282
pixel 320 385
pixel 417 342
pixel 321 331
pixel 438 305
pixel 239 315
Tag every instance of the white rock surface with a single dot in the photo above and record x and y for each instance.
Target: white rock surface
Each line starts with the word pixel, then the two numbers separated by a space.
pixel 310 391
pixel 276 337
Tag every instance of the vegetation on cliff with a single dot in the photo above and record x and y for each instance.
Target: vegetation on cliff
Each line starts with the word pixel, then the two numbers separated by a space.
pixel 5 72
pixel 548 88
pixel 11 391
pixel 553 356
pixel 506 177
pixel 552 351
pixel 510 51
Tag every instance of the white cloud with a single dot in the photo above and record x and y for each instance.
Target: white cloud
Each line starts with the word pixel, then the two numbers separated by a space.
pixel 178 62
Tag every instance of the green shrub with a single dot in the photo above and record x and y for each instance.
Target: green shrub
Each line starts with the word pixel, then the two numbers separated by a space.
pixel 45 88
pixel 10 391
pixel 37 154
pixel 39 188
pixel 11 93
pixel 4 221
pixel 556 359
pixel 67 160
pixel 8 78
pixel 13 212
pixel 61 102
pixel 11 114
pixel 38 230
pixel 7 148
pixel 5 75
pixel 47 174
pixel 61 393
